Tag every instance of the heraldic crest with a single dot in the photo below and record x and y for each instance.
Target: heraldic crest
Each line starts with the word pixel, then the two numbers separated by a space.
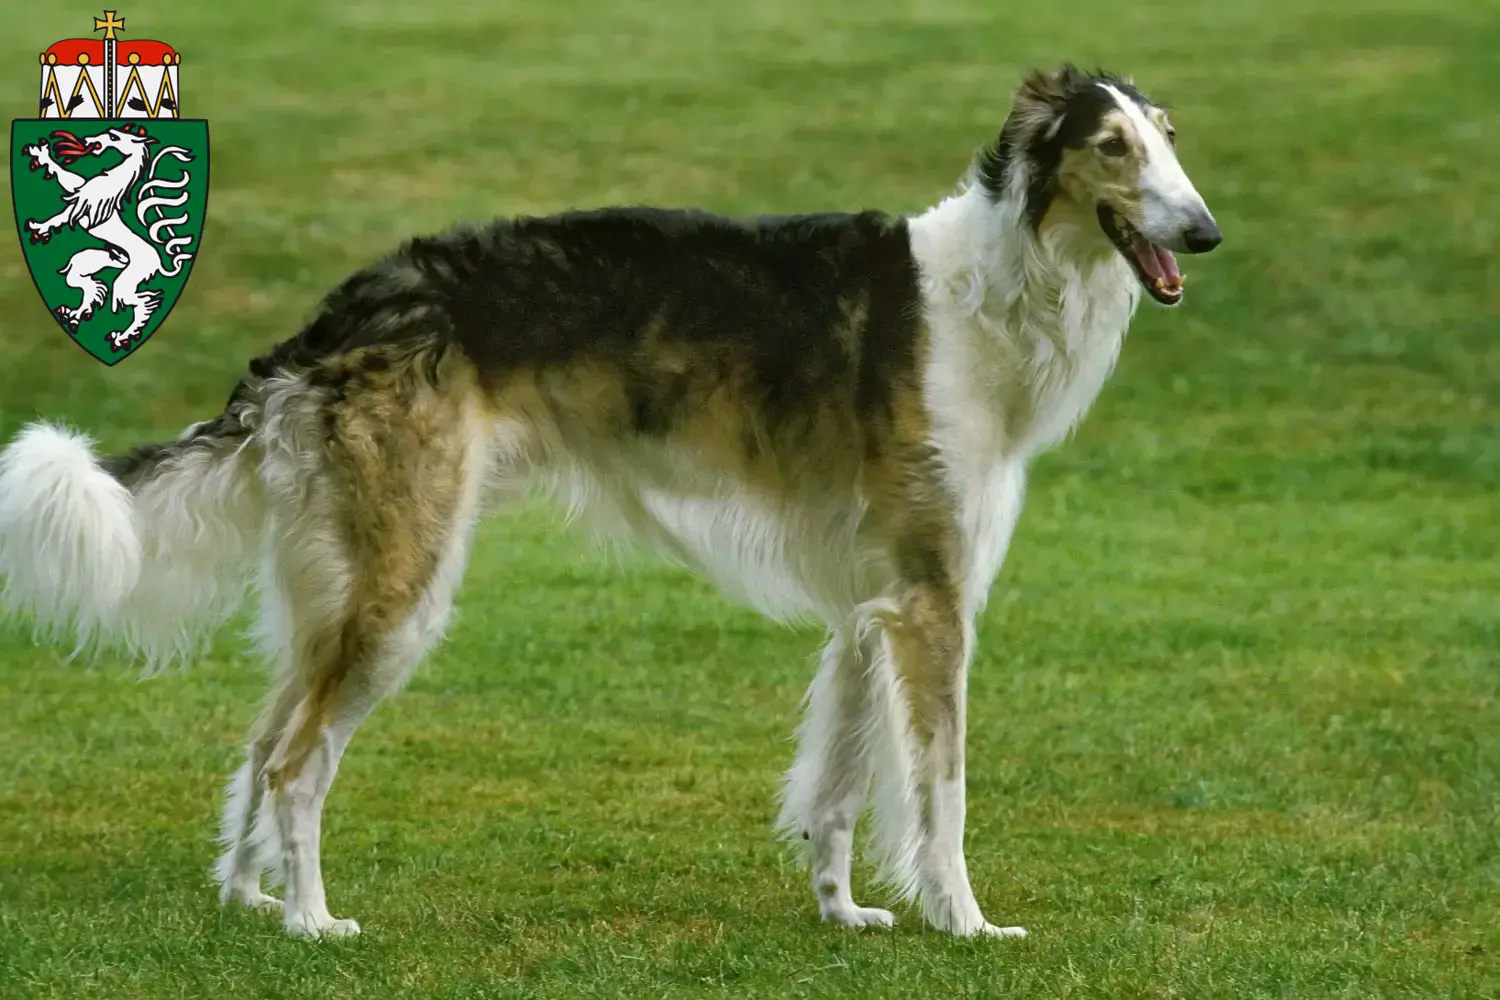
pixel 110 185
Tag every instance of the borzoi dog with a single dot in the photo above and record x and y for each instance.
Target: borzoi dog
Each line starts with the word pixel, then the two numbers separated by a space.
pixel 825 415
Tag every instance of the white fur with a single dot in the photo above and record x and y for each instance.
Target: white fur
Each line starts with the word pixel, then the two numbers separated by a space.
pixel 1169 201
pixel 252 845
pixel 201 523
pixel 155 571
pixel 829 781
pixel 152 571
pixel 752 547
pixel 1024 332
pixel 69 548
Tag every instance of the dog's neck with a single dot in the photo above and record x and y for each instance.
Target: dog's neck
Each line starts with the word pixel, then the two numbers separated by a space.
pixel 983 258
pixel 1027 324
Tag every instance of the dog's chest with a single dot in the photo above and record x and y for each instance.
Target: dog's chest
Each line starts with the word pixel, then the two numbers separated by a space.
pixel 1064 385
pixel 1072 348
pixel 1013 385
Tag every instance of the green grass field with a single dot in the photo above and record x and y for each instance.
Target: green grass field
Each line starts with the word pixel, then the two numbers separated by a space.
pixel 1235 718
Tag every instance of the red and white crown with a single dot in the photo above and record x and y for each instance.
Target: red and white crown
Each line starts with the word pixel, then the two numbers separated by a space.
pixel 109 78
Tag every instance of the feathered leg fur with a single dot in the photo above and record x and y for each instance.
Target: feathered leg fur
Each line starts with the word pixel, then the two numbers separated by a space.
pixel 829 781
pixel 349 612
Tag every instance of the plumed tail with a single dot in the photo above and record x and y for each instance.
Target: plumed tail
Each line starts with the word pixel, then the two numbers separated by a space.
pixel 148 551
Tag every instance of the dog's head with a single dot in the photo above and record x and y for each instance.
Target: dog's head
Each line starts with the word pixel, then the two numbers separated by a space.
pixel 1090 147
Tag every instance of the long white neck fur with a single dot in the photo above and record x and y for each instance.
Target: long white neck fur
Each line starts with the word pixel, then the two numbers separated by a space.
pixel 1026 326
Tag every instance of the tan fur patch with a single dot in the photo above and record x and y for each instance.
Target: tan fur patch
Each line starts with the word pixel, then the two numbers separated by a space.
pixel 1088 175
pixel 918 516
pixel 718 414
pixel 395 464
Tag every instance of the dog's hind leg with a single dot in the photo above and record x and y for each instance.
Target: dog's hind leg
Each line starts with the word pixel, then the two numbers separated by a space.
pixel 353 673
pixel 827 785
pixel 359 587
pixel 248 831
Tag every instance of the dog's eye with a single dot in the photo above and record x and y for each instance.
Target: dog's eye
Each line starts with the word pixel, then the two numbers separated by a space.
pixel 1171 135
pixel 1113 146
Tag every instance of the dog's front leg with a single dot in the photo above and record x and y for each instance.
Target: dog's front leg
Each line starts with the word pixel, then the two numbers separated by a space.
pixel 930 642
pixel 827 785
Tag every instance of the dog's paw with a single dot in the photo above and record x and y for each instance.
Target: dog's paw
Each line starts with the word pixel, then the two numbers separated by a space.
pixel 990 930
pixel 256 900
pixel 316 926
pixel 966 921
pixel 245 891
pixel 859 916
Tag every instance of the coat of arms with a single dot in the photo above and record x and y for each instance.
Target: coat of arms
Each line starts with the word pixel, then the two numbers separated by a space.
pixel 110 185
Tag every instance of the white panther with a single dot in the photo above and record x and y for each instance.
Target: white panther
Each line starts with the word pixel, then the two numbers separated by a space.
pixel 94 205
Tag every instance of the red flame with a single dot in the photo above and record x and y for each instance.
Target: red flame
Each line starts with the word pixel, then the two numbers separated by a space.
pixel 67 147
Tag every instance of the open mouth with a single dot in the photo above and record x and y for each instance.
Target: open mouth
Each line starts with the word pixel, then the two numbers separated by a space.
pixel 1155 266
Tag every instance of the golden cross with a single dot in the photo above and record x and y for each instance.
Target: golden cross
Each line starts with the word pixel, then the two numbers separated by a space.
pixel 108 25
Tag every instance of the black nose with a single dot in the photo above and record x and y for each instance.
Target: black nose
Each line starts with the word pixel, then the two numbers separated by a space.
pixel 1201 237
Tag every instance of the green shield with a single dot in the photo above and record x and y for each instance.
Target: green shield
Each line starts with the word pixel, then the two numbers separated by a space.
pixel 110 215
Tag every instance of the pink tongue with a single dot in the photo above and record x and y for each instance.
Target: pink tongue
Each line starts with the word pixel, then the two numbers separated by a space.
pixel 1156 262
pixel 1169 266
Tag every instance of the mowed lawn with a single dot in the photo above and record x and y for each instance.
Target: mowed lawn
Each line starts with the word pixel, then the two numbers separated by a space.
pixel 1235 716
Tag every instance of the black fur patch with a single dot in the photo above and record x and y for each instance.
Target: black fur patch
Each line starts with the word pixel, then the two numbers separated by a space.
pixel 1074 103
pixel 142 462
pixel 764 293
pixel 137 463
pixel 764 303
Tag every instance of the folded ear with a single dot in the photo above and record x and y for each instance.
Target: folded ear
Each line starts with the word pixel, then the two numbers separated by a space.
pixel 1043 96
pixel 1051 86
